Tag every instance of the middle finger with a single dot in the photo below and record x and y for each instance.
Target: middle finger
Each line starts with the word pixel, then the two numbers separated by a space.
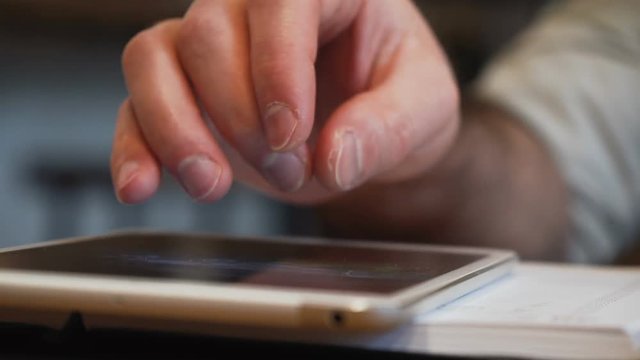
pixel 213 46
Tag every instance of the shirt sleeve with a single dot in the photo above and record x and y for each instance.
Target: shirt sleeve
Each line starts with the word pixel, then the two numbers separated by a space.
pixel 574 79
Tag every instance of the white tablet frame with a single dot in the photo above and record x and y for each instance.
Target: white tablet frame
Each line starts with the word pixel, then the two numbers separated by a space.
pixel 25 291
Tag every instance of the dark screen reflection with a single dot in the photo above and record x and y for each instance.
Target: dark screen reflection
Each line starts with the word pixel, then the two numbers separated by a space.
pixel 268 263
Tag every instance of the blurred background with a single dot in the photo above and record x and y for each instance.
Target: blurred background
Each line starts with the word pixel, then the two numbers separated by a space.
pixel 60 89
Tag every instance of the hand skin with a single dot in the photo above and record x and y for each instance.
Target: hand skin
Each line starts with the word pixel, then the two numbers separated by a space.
pixel 306 99
pixel 347 105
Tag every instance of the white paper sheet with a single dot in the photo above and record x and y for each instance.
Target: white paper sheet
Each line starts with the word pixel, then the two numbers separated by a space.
pixel 540 295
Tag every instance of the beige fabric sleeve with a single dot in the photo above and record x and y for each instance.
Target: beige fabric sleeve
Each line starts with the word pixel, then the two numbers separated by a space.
pixel 574 79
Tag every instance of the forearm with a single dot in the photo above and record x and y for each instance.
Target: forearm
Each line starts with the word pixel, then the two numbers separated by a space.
pixel 497 187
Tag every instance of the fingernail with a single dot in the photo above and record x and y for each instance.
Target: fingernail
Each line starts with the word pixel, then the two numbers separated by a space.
pixel 286 171
pixel 280 123
pixel 348 161
pixel 128 171
pixel 199 176
pixel 126 174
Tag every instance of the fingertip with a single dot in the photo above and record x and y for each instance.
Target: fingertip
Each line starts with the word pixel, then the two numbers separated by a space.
pixel 281 122
pixel 203 178
pixel 340 163
pixel 136 183
pixel 219 189
pixel 287 171
pixel 347 160
pixel 223 187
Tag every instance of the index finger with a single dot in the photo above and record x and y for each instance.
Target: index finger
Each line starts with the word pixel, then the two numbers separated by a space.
pixel 284 41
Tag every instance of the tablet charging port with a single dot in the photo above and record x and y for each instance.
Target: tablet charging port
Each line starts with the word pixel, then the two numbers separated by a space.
pixel 337 318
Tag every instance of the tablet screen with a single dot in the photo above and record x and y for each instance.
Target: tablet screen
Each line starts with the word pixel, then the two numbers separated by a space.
pixel 258 262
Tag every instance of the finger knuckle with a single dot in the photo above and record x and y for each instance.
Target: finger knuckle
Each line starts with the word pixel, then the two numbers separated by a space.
pixel 197 33
pixel 139 47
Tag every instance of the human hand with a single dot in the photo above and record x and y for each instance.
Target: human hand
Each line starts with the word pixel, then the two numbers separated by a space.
pixel 301 99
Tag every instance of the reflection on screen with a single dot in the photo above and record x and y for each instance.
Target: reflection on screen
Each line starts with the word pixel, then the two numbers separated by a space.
pixel 267 263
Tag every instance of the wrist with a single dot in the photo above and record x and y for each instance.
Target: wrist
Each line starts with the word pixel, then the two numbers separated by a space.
pixel 496 187
pixel 500 187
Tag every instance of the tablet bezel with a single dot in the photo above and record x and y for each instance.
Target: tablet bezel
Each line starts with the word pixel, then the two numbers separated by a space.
pixel 243 304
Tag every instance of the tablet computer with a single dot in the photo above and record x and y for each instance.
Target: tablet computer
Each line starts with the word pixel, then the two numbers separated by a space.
pixel 277 282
